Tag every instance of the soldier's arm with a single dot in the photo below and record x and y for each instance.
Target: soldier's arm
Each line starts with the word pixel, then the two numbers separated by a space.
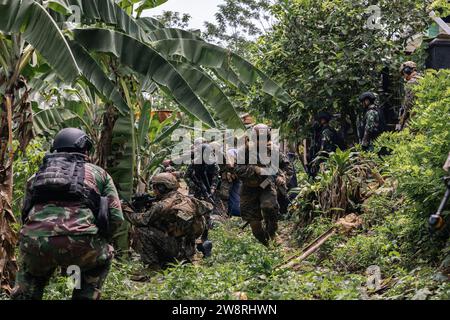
pixel 247 170
pixel 145 218
pixel 115 210
pixel 27 203
pixel 188 176
pixel 408 104
pixel 215 179
pixel 286 168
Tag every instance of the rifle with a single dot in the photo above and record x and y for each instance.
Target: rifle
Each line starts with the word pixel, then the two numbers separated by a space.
pixel 142 202
pixel 201 184
pixel 436 222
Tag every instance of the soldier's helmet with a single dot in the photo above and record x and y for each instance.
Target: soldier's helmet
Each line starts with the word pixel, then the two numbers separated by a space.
pixel 71 140
pixel 199 142
pixel 324 115
pixel 408 67
pixel 167 163
pixel 167 180
pixel 368 95
pixel 261 129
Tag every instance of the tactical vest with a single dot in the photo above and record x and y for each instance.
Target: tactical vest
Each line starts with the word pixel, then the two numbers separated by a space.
pixel 189 215
pixel 61 178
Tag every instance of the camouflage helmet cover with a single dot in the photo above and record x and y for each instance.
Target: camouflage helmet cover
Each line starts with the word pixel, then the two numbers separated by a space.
pixel 409 64
pixel 166 179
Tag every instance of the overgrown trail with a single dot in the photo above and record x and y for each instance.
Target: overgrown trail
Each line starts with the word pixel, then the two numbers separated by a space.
pixel 241 268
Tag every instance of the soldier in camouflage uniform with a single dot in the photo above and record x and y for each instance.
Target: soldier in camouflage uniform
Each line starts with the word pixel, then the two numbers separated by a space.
pixel 71 210
pixel 227 177
pixel 167 232
pixel 328 136
pixel 259 192
pixel 325 141
pixel 370 126
pixel 202 175
pixel 408 70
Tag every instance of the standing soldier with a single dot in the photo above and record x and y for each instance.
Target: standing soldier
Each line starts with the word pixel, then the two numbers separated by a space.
pixel 227 177
pixel 202 178
pixel 326 140
pixel 370 127
pixel 259 192
pixel 408 70
pixel 168 230
pixel 202 175
pixel 71 210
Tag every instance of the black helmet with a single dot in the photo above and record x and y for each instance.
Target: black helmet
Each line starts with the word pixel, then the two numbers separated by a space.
pixel 324 115
pixel 71 140
pixel 368 95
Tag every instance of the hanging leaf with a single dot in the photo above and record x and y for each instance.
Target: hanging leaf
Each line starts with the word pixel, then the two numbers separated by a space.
pixel 145 60
pixel 95 75
pixel 39 29
pixel 212 56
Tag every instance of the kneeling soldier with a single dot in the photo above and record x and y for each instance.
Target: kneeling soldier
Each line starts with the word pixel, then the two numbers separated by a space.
pixel 70 213
pixel 168 230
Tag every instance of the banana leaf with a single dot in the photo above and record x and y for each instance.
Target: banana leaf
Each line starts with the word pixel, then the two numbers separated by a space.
pixel 146 61
pixel 31 19
pixel 212 56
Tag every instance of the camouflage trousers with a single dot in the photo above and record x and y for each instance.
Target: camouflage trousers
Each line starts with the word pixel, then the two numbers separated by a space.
pixel 157 249
pixel 223 198
pixel 40 257
pixel 260 205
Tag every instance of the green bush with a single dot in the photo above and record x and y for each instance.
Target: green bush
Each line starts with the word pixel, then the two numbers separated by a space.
pixel 26 165
pixel 362 251
pixel 420 151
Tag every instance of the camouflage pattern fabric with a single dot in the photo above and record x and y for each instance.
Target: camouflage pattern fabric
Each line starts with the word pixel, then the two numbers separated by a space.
pixel 197 173
pixel 60 218
pixel 445 265
pixel 167 232
pixel 41 256
pixel 408 102
pixel 327 140
pixel 258 203
pixel 247 173
pixel 157 249
pixel 61 233
pixel 227 178
pixel 370 127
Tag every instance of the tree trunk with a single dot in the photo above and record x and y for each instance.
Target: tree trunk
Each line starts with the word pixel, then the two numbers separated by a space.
pixel 8 237
pixel 104 148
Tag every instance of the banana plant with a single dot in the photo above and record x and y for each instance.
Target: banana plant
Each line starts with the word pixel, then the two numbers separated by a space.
pixel 26 27
pixel 112 55
pixel 156 57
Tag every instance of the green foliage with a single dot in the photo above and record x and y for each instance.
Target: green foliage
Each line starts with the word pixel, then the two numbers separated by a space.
pixel 238 22
pixel 326 55
pixel 338 189
pixel 238 264
pixel 420 151
pixel 442 7
pixel 26 165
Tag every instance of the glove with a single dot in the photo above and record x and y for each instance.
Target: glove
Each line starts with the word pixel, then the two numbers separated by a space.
pixel 280 181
